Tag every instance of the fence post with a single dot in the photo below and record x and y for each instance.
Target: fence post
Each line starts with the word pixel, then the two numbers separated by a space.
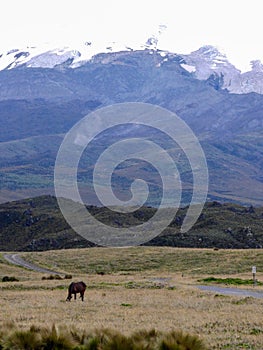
pixel 254 270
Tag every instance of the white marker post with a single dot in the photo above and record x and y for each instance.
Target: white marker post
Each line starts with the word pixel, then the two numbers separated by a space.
pixel 254 270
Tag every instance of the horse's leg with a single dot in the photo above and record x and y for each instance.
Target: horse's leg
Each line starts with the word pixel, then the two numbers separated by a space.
pixel 82 296
pixel 75 296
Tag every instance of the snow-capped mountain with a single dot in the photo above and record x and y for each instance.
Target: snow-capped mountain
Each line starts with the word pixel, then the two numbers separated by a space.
pixel 206 63
pixel 49 57
pixel 44 92
pixel 33 57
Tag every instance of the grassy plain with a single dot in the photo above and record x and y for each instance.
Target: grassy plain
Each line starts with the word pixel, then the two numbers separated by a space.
pixel 138 288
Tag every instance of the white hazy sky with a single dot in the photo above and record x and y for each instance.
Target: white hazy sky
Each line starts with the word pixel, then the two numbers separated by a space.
pixel 234 26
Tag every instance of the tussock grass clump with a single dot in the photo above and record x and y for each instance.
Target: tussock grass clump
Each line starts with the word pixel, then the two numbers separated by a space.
pixel 6 328
pixel 37 339
pixel 100 339
pixel 146 339
pixel 180 341
pixel 57 339
pixel 17 340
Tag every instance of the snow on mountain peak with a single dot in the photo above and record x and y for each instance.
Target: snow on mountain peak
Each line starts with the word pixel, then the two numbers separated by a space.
pixel 45 57
pixel 208 57
pixel 206 63
pixel 256 65
pixel 210 51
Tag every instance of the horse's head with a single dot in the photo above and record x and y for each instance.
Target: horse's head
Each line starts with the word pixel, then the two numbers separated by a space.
pixel 70 291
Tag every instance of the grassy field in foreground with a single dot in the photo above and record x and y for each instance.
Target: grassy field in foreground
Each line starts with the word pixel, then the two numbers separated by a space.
pixel 130 289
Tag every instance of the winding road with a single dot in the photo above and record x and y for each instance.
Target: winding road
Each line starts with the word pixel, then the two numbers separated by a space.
pixel 232 291
pixel 17 260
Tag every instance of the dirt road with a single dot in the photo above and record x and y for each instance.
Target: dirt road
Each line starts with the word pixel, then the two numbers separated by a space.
pixel 17 260
pixel 232 291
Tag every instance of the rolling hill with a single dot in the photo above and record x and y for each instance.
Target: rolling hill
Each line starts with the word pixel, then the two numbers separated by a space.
pixel 36 224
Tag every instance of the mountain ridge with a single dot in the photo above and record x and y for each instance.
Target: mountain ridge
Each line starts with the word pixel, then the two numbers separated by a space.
pixel 201 63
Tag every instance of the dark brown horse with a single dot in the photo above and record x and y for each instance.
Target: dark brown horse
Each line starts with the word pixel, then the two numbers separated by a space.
pixel 76 287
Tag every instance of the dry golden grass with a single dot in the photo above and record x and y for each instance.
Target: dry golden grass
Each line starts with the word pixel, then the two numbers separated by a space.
pixel 129 300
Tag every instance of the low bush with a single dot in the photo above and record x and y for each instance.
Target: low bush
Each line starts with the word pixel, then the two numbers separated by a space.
pixel 52 277
pixel 56 277
pixel 9 279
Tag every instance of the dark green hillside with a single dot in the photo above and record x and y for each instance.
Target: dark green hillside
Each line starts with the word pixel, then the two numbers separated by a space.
pixel 34 224
pixel 37 224
pixel 220 225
